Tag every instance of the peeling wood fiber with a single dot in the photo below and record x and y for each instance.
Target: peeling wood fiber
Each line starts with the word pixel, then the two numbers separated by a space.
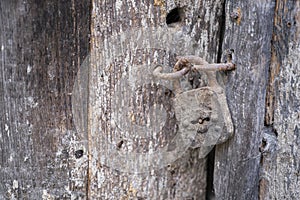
pixel 280 169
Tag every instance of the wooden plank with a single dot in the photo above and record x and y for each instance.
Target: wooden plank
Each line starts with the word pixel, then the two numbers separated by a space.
pixel 128 39
pixel 280 161
pixel 42 46
pixel 249 26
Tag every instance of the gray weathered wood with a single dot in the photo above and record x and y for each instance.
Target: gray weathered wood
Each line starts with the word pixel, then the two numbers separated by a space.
pixel 281 161
pixel 70 105
pixel 42 44
pixel 236 174
pixel 129 38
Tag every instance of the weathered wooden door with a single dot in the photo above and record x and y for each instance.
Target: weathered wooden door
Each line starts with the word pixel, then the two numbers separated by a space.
pixel 83 117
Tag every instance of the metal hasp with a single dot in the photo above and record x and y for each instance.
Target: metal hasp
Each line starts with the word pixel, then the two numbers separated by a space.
pixel 202 113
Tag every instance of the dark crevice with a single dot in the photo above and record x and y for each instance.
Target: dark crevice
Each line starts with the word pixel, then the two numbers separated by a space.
pixel 79 153
pixel 88 171
pixel 210 192
pixel 174 16
pixel 222 32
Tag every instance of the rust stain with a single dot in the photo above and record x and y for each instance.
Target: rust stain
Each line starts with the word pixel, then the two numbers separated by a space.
pixel 277 19
pixel 132 192
pixel 132 117
pixel 270 96
pixel 238 21
pixel 236 15
pixel 160 3
pixel 263 188
pixel 274 68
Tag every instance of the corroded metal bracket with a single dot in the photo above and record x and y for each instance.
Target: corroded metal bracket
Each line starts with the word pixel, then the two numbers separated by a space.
pixel 202 112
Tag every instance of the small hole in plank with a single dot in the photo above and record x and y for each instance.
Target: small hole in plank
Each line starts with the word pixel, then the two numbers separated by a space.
pixel 78 153
pixel 174 16
pixel 119 145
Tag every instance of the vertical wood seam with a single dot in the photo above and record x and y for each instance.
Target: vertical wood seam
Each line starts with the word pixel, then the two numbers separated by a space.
pixel 210 193
pixel 272 73
pixel 89 139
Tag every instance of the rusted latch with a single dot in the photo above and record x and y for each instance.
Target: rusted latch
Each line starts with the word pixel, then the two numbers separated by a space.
pixel 202 112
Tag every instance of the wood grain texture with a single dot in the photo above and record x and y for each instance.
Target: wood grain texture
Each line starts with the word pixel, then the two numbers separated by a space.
pixel 42 46
pixel 281 167
pixel 237 166
pixel 128 39
pixel 58 145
